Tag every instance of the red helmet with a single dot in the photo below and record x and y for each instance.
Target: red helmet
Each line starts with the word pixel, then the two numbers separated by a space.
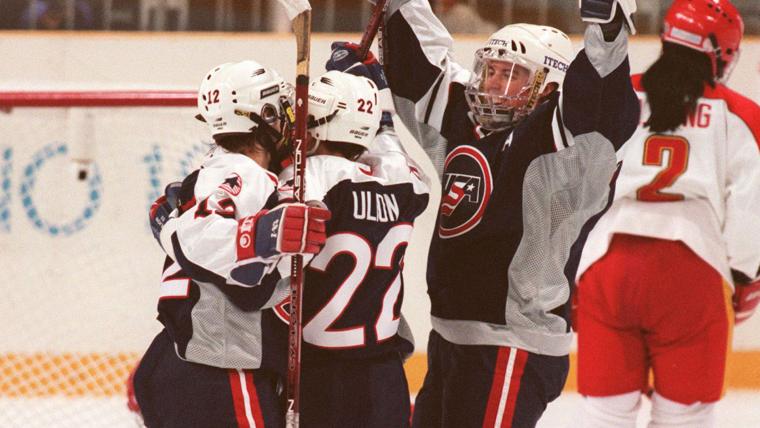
pixel 710 26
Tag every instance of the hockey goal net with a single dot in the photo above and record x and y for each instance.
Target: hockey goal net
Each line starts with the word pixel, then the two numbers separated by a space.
pixel 78 171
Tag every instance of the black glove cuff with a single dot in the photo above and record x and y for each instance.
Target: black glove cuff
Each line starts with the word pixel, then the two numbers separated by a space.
pixel 611 29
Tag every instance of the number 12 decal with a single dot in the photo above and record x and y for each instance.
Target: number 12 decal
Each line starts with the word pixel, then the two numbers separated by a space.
pixel 677 163
pixel 318 330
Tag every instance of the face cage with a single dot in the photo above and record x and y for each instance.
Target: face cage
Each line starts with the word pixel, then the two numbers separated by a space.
pixel 492 111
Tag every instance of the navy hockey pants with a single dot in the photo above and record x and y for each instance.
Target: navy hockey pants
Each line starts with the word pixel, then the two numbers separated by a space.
pixel 176 393
pixel 486 386
pixel 354 393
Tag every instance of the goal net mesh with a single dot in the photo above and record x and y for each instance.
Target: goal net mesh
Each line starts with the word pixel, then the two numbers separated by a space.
pixel 80 266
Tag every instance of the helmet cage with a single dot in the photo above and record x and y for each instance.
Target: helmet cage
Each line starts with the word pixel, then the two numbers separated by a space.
pixel 496 111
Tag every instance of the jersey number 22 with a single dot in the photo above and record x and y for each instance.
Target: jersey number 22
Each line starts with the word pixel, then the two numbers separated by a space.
pixel 318 330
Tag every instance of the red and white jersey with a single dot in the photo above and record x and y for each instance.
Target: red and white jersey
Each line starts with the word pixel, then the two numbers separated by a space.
pixel 699 184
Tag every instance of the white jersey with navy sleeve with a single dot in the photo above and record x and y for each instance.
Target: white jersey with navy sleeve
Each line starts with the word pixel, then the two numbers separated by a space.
pixel 213 289
pixel 699 184
pixel 229 187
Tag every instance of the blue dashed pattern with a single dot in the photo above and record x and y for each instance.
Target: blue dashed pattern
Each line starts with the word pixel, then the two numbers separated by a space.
pixel 189 162
pixel 153 162
pixel 26 190
pixel 5 189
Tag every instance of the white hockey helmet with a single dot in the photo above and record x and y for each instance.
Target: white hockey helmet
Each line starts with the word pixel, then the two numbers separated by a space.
pixel 512 70
pixel 234 96
pixel 343 108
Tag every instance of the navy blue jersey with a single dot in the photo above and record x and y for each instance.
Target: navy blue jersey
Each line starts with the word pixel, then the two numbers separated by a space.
pixel 353 288
pixel 516 204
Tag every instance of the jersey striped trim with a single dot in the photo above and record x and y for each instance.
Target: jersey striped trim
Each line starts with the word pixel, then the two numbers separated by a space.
pixel 272 177
pixel 563 138
pixel 502 401
pixel 747 110
pixel 433 96
pixel 245 399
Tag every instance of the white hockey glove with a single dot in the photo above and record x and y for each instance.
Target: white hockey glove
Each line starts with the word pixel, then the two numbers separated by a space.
pixel 604 11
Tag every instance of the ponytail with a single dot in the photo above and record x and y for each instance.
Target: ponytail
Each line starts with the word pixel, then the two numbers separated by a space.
pixel 674 84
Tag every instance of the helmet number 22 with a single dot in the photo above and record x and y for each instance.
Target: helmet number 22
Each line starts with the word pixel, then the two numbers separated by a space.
pixel 676 162
pixel 365 105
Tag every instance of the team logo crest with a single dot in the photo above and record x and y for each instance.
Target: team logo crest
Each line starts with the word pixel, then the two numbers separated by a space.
pixel 467 187
pixel 232 185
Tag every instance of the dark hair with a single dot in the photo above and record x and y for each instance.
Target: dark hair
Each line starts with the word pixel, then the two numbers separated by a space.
pixel 347 150
pixel 235 143
pixel 674 84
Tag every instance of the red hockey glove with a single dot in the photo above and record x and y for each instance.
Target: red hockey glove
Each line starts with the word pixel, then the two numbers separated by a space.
pixel 746 298
pixel 286 229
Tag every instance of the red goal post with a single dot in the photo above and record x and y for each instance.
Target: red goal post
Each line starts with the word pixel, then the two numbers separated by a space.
pixel 81 269
pixel 142 98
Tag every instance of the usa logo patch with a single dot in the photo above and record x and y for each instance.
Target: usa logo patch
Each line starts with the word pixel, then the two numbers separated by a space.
pixel 232 185
pixel 467 187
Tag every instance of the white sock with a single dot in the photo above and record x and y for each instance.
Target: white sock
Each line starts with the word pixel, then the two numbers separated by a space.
pixel 670 414
pixel 617 411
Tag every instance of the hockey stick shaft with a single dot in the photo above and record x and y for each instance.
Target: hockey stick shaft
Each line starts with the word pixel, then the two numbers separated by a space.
pixel 302 30
pixel 372 26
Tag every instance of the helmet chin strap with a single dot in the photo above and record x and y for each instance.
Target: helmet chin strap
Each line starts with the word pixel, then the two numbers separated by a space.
pixel 313 123
pixel 535 90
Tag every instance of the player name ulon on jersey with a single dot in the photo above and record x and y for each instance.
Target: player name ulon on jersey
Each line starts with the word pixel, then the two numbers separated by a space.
pixel 373 206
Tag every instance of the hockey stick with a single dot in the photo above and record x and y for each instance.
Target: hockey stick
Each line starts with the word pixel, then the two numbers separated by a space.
pixel 299 12
pixel 372 26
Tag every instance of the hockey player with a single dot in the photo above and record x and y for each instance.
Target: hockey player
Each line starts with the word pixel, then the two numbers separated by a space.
pixel 355 338
pixel 658 270
pixel 216 362
pixel 525 168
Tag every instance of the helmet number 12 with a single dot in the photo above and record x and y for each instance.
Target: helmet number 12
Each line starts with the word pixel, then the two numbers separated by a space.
pixel 212 97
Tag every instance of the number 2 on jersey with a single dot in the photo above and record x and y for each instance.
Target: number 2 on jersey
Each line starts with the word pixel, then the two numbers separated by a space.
pixel 318 330
pixel 677 163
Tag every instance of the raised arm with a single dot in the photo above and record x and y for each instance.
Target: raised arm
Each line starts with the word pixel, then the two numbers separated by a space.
pixel 420 69
pixel 597 93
